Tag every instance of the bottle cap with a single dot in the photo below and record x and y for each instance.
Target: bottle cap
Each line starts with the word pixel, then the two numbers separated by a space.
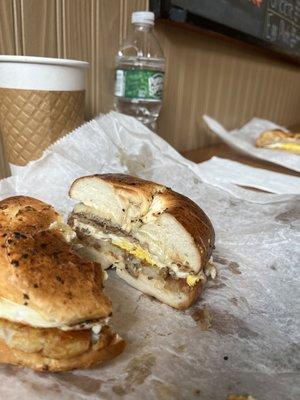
pixel 142 17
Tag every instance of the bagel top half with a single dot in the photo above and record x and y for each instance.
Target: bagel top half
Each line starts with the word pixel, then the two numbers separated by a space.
pixel 43 283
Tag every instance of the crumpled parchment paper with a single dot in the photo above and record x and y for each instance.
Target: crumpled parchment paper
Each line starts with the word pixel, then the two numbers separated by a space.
pixel 243 140
pixel 221 172
pixel 241 337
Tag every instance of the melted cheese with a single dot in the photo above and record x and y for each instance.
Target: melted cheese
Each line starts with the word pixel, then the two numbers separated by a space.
pixel 23 314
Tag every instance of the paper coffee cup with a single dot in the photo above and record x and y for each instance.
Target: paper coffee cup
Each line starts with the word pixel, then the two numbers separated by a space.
pixel 41 99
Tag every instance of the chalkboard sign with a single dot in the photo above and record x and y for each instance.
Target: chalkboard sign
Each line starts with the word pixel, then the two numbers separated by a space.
pixel 282 24
pixel 274 24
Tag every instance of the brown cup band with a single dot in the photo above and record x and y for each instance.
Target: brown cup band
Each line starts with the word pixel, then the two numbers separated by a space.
pixel 30 120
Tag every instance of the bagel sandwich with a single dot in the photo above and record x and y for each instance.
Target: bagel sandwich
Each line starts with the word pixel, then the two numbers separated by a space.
pixel 54 315
pixel 159 241
pixel 277 139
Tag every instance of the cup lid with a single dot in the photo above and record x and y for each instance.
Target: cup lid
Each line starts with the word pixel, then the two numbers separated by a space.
pixel 44 60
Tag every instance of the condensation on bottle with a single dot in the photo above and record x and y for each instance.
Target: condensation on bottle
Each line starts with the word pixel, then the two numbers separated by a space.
pixel 140 66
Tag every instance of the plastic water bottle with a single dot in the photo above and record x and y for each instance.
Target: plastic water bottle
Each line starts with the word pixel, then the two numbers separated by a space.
pixel 140 68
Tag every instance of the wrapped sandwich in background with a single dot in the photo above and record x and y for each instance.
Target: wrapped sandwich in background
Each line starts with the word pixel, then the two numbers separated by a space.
pixel 277 139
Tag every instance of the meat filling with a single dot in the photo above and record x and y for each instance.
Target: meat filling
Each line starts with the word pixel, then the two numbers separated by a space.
pixel 105 225
pixel 170 281
pixel 132 264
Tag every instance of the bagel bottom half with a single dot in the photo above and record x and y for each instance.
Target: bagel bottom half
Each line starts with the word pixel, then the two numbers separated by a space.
pixel 107 347
pixel 158 288
pixel 148 279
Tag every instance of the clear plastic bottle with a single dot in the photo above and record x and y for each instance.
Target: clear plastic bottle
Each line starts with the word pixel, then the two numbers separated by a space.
pixel 140 68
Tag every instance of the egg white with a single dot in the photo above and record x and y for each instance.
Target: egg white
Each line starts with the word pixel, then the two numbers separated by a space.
pixel 25 315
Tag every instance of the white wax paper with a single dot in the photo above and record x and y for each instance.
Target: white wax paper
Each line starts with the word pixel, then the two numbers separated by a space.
pixel 221 172
pixel 243 140
pixel 252 343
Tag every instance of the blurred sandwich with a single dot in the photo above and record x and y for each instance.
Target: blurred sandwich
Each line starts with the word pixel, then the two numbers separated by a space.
pixel 277 139
pixel 53 313
pixel 159 241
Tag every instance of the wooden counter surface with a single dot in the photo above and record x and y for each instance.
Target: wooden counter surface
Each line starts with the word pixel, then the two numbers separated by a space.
pixel 224 151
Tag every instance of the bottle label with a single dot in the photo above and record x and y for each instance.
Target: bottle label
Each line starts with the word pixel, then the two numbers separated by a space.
pixel 139 84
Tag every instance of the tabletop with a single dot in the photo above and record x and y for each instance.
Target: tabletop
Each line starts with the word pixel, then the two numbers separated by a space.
pixel 224 151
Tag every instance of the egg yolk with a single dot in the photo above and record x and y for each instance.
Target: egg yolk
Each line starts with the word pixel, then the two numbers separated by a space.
pixel 143 254
pixel 291 147
pixel 191 280
pixel 135 250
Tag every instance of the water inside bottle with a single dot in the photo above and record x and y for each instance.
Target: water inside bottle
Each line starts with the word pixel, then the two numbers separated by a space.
pixel 139 76
pixel 146 110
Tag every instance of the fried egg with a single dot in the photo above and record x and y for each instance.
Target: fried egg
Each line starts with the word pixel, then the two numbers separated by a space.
pixel 139 252
pixel 25 315
pixel 134 249
pixel 144 255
